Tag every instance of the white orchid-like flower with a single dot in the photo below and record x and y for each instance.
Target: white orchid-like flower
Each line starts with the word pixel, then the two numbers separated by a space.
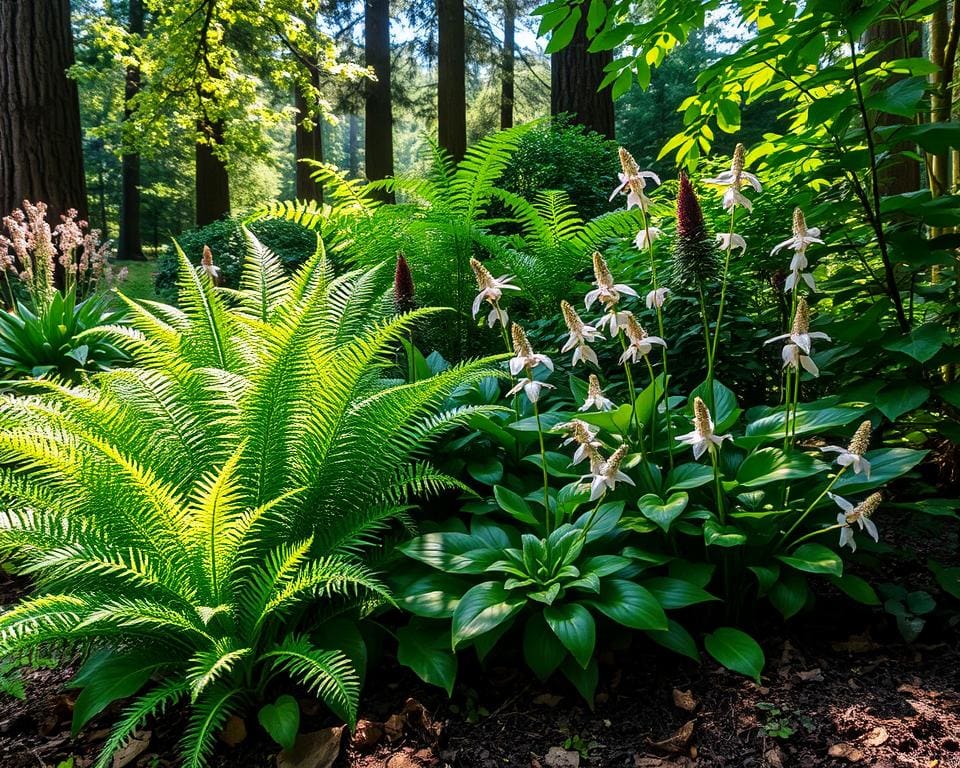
pixel 607 292
pixel 732 241
pixel 802 237
pixel 734 179
pixel 860 515
pixel 595 397
pixel 524 357
pixel 641 343
pixel 207 265
pixel 852 455
pixel 645 237
pixel 531 388
pixel 797 352
pixel 633 182
pixel 605 475
pixel 580 334
pixel 585 438
pixel 702 438
pixel 657 298
pixel 491 290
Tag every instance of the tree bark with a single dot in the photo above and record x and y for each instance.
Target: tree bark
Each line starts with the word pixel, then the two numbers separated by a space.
pixel 129 245
pixel 575 75
pixel 309 144
pixel 507 69
pixel 353 148
pixel 378 125
pixel 41 145
pixel 212 182
pixel 451 79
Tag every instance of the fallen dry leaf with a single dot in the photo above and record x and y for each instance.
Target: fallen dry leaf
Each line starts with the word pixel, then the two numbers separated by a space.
pixel 847 751
pixel 684 700
pixel 393 727
pixel 234 731
pixel 367 734
pixel 558 757
pixel 318 749
pixel 130 751
pixel 548 699
pixel 876 737
pixel 856 644
pixel 773 758
pixel 646 761
pixel 811 675
pixel 678 741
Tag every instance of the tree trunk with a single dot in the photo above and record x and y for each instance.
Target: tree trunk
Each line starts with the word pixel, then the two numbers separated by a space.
pixel 41 146
pixel 309 145
pixel 353 149
pixel 507 64
pixel 575 75
pixel 129 245
pixel 212 182
pixel 378 126
pixel 451 79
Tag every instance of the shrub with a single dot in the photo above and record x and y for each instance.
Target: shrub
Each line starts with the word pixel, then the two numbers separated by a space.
pixel 288 240
pixel 200 519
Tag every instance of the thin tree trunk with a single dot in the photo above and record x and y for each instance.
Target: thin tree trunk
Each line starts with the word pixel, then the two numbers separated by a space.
pixel 41 145
pixel 212 182
pixel 309 146
pixel 451 79
pixel 575 75
pixel 129 244
pixel 378 126
pixel 940 100
pixel 507 69
pixel 353 148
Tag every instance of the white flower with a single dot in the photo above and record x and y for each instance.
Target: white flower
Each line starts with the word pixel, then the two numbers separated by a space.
pixel 731 241
pixel 531 388
pixel 580 334
pixel 702 438
pixel 734 179
pixel 491 291
pixel 647 236
pixel 852 455
pixel 207 265
pixel 607 292
pixel 595 397
pixel 524 356
pixel 797 352
pixel 657 297
pixel 802 236
pixel 859 514
pixel 797 275
pixel 614 321
pixel 584 437
pixel 633 182
pixel 640 342
pixel 606 474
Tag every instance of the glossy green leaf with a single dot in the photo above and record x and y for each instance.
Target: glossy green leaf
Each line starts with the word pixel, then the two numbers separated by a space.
pixel 789 594
pixel 281 720
pixel 688 476
pixel 772 465
pixel 736 650
pixel 629 604
pixel 514 505
pixel 575 628
pixel 661 512
pixel 542 649
pixel 676 593
pixel 424 647
pixel 856 588
pixel 105 678
pixel 814 558
pixel 675 638
pixel 483 608
pixel 886 464
pixel 718 535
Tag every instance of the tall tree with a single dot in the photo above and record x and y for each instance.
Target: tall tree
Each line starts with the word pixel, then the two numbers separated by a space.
pixel 451 78
pixel 308 141
pixel 129 244
pixel 507 69
pixel 575 77
pixel 41 147
pixel 378 125
pixel 212 180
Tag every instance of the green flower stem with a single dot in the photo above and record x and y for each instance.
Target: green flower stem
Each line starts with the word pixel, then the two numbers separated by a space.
pixel 786 408
pixel 653 415
pixel 718 485
pixel 706 338
pixel 633 395
pixel 723 283
pixel 509 348
pixel 796 404
pixel 810 535
pixel 809 509
pixel 663 350
pixel 548 515
pixel 593 515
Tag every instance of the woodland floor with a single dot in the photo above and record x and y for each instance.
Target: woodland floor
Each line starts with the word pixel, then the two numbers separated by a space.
pixel 840 688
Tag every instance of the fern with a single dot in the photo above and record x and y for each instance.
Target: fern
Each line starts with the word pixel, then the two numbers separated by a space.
pixel 203 505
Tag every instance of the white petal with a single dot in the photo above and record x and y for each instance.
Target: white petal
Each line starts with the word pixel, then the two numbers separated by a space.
pixel 841 502
pixel 809 366
pixel 871 528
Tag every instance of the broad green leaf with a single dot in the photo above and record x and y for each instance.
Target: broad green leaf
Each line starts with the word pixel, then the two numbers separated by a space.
pixel 675 638
pixel 718 535
pixel 424 647
pixel 772 465
pixel 676 593
pixel 629 604
pixel 514 505
pixel 814 558
pixel 487 470
pixel 541 648
pixel 921 343
pixel 687 476
pixel 724 411
pixel 894 400
pixel 432 595
pixel 810 420
pixel 575 628
pixel 616 422
pixel 696 573
pixel 856 588
pixel 483 608
pixel 281 720
pixel 947 577
pixel 736 650
pixel 661 512
pixel 901 98
pixel 789 594
pixel 105 678
pixel 886 464
pixel 452 552
pixel 767 576
pixel 584 680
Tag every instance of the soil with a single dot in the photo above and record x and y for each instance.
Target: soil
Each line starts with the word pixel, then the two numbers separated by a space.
pixel 830 696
